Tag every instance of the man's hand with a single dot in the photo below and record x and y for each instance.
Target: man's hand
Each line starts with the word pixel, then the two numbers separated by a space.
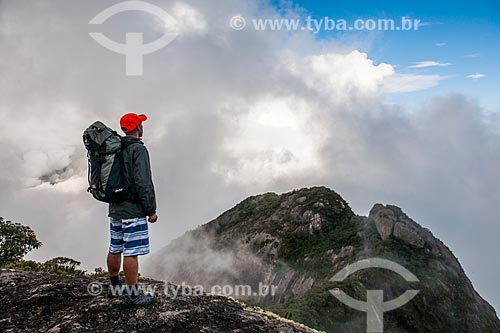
pixel 153 218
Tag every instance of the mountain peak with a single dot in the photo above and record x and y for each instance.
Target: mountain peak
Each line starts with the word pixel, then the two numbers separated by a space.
pixel 296 241
pixel 299 211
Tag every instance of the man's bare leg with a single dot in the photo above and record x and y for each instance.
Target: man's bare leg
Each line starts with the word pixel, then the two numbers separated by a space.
pixel 114 263
pixel 131 269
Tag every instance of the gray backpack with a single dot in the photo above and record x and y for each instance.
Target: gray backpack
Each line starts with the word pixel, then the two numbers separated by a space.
pixel 107 182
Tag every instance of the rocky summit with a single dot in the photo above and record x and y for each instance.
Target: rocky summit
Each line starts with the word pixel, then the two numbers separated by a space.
pixel 295 242
pixel 42 302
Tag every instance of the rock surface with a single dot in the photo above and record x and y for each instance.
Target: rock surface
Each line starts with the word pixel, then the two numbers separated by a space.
pixel 390 220
pixel 41 302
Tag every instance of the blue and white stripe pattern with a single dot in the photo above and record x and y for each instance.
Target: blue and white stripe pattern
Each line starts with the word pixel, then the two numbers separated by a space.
pixel 129 236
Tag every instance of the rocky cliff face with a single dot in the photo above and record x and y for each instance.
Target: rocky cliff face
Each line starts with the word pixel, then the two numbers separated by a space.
pixel 298 240
pixel 41 302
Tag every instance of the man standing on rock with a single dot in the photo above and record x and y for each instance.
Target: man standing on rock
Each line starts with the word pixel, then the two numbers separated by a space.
pixel 129 228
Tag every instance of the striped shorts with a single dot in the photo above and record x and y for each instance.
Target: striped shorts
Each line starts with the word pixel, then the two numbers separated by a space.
pixel 129 236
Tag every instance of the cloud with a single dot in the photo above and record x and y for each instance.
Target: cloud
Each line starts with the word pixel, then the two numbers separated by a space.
pixel 472 55
pixel 277 139
pixel 476 76
pixel 207 266
pixel 233 114
pixel 424 64
pixel 409 82
pixel 189 19
pixel 440 44
pixel 335 74
pixel 341 77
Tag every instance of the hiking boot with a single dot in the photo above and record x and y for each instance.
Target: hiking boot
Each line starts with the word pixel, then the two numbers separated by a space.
pixel 139 299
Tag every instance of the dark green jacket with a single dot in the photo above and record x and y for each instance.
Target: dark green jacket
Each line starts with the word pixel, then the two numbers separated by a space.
pixel 137 171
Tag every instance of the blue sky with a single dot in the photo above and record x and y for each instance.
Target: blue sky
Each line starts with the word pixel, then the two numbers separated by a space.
pixel 462 33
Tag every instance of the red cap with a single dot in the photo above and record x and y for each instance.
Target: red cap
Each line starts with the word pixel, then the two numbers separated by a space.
pixel 130 121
